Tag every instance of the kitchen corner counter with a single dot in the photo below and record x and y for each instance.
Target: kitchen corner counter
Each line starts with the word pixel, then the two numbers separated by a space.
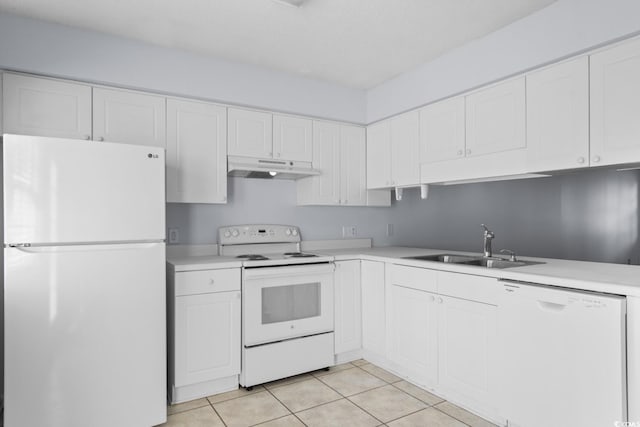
pixel 202 262
pixel 618 279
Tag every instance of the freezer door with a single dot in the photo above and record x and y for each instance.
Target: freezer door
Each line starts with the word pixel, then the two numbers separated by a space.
pixel 85 336
pixel 68 191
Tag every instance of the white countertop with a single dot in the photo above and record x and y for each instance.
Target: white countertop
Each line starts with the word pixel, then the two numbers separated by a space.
pixel 593 276
pixel 203 262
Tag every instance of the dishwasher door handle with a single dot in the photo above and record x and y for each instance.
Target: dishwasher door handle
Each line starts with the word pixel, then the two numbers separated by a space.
pixel 551 306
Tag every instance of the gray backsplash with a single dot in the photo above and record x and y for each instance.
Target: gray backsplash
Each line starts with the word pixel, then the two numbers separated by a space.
pixel 591 215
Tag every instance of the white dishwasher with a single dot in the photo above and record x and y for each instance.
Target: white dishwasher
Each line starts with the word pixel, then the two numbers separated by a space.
pixel 563 356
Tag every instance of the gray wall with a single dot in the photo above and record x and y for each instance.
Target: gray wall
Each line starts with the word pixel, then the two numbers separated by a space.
pixel 57 50
pixel 274 202
pixel 590 215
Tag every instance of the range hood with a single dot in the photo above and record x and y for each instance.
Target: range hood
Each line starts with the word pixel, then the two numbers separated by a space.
pixel 248 167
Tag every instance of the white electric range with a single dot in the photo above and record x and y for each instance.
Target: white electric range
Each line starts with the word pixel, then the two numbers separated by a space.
pixel 287 302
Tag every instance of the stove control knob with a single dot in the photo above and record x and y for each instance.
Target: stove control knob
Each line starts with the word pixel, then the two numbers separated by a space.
pixel 294 232
pixel 235 232
pixel 287 232
pixel 227 234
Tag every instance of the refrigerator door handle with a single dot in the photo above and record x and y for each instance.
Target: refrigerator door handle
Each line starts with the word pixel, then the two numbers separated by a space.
pixel 84 247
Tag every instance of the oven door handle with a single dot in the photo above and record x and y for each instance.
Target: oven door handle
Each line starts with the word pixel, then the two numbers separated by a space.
pixel 290 270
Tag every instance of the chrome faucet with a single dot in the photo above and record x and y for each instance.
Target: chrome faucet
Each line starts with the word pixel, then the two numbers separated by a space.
pixel 488 236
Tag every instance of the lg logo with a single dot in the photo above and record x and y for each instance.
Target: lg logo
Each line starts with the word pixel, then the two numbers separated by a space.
pixel 152 156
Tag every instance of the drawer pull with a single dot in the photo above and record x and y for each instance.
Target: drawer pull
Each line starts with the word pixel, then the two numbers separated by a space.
pixel 211 281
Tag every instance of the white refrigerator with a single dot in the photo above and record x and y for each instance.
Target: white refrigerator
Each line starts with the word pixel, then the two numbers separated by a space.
pixel 84 283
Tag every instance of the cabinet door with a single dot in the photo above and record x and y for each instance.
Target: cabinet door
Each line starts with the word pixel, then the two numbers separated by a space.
pixel 292 138
pixel 405 155
pixel 353 175
pixel 379 155
pixel 615 105
pixel 496 118
pixel 442 131
pixel 558 117
pixel 373 307
pixel 43 107
pixel 129 117
pixel 348 303
pixel 326 159
pixel 412 334
pixel 250 133
pixel 207 337
pixel 196 152
pixel 467 341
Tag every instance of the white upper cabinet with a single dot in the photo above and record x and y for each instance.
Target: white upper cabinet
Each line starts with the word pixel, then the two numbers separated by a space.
pixel 405 155
pixel 615 105
pixel 442 133
pixel 129 117
pixel 558 116
pixel 196 152
pixel 339 153
pixel 353 173
pixel 323 189
pixel 292 138
pixel 44 107
pixel 250 133
pixel 379 155
pixel 496 118
pixel 393 152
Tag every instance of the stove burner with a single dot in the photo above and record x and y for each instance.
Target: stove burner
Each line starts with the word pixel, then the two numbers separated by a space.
pixel 298 255
pixel 253 257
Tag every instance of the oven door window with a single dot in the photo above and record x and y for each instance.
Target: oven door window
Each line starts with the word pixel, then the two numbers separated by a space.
pixel 291 302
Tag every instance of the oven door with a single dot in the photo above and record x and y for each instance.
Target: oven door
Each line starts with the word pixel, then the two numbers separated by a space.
pixel 286 302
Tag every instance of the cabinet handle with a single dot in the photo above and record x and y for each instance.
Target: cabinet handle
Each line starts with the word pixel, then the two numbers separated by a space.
pixel 440 300
pixel 100 139
pixel 432 298
pixel 596 159
pixel 460 152
pixel 468 151
pixel 581 160
pixel 277 154
pixel 212 281
pixel 87 137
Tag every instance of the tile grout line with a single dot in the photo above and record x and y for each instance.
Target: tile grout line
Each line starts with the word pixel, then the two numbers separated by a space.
pixel 439 410
pixel 218 414
pixel 288 409
pixel 406 415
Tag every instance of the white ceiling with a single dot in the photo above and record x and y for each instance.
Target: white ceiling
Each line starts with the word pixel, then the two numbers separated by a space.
pixel 356 43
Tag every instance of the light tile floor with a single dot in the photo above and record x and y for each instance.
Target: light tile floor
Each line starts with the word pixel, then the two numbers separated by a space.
pixel 350 395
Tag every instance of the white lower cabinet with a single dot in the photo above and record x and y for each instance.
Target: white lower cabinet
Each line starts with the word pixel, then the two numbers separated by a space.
pixel 348 304
pixel 373 309
pixel 203 325
pixel 440 338
pixel 467 338
pixel 412 344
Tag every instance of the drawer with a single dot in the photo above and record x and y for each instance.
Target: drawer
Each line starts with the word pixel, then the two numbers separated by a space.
pixel 417 278
pixel 469 287
pixel 207 281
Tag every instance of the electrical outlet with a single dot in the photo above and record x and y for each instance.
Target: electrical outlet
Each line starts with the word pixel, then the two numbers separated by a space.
pixel 174 235
pixel 389 230
pixel 348 231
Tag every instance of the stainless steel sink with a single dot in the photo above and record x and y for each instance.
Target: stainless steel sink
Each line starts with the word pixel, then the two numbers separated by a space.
pixel 455 259
pixel 473 260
